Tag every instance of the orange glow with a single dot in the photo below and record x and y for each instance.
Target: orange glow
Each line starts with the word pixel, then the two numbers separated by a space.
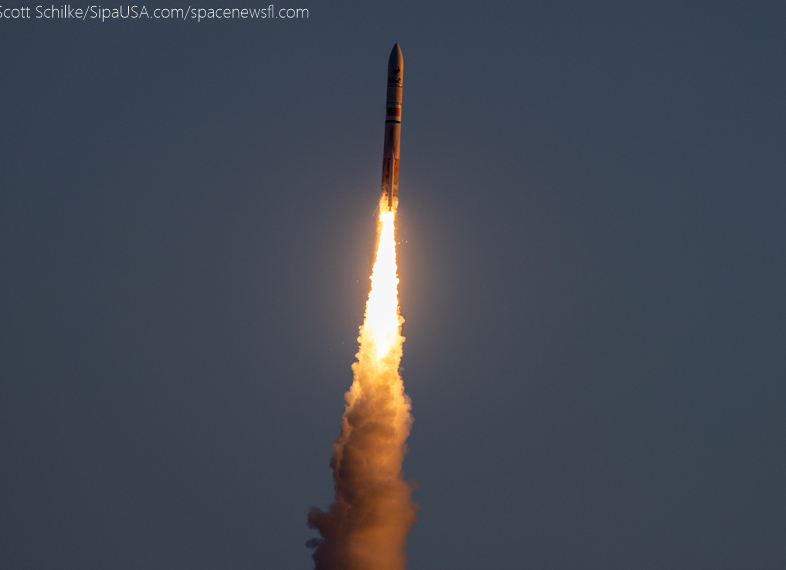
pixel 382 326
pixel 367 525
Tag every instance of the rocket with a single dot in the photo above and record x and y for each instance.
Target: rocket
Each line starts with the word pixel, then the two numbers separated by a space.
pixel 389 200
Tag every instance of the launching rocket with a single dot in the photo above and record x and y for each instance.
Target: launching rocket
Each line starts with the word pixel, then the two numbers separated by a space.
pixel 392 131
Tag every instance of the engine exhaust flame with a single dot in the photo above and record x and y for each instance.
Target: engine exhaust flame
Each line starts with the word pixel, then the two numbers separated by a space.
pixel 367 525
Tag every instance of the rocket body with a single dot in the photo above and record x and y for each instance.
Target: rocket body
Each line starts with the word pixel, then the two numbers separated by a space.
pixel 390 155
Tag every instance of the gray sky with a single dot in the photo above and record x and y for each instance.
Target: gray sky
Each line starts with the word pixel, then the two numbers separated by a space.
pixel 592 276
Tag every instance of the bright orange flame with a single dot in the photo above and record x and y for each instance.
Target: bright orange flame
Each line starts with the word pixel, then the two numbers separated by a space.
pixel 367 525
pixel 382 325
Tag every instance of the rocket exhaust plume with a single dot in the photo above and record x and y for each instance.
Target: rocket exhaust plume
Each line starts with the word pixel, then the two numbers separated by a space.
pixel 367 525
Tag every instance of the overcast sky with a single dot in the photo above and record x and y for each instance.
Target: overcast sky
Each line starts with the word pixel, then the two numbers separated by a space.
pixel 592 268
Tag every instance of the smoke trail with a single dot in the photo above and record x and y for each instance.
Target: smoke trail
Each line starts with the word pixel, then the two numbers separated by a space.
pixel 367 525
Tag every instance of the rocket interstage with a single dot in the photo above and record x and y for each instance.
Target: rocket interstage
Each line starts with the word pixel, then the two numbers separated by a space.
pixel 367 525
pixel 390 155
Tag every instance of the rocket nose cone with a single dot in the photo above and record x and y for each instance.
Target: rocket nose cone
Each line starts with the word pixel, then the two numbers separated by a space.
pixel 395 65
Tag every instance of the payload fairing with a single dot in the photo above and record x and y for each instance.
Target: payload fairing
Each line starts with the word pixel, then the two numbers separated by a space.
pixel 392 130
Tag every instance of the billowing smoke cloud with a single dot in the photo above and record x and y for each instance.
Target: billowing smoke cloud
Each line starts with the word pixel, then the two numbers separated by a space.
pixel 367 525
